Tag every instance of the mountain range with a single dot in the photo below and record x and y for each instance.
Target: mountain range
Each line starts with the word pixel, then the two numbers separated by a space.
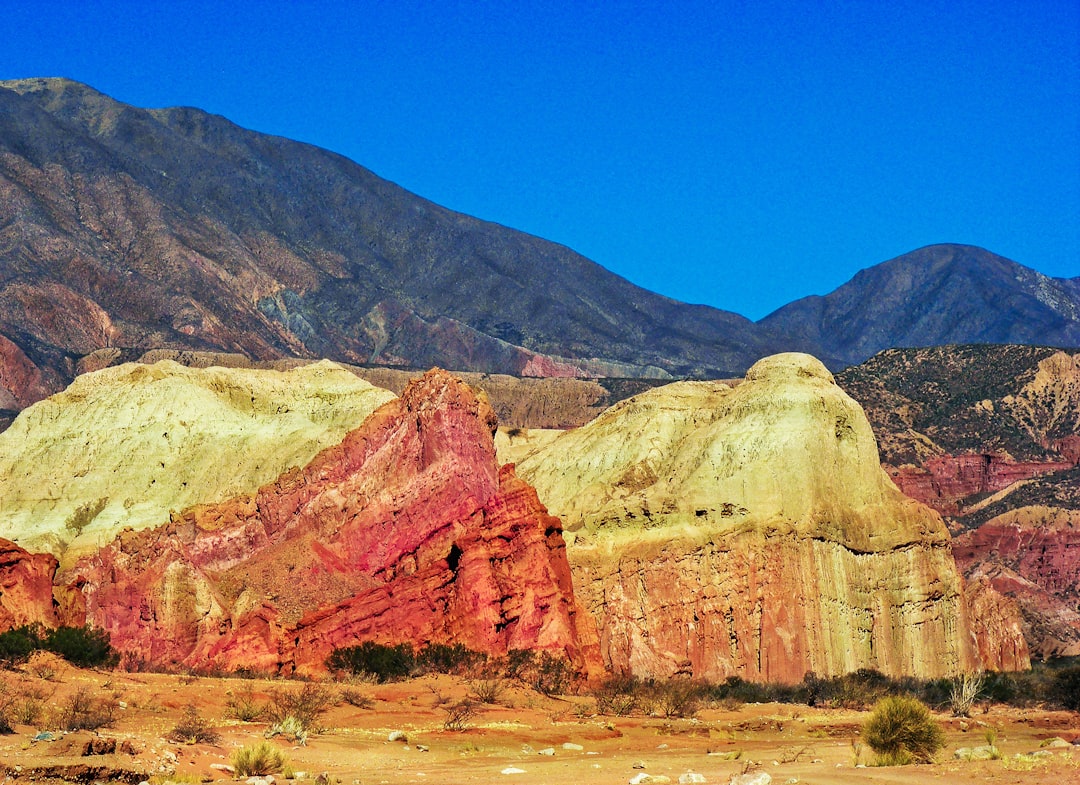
pixel 135 229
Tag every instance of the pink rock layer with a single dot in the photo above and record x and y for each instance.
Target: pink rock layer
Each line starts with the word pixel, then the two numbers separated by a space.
pixel 407 531
pixel 1031 555
pixel 945 481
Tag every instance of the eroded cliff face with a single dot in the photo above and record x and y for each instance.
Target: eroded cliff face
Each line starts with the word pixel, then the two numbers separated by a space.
pixel 1032 555
pixel 750 531
pixel 26 587
pixel 407 531
pixel 122 447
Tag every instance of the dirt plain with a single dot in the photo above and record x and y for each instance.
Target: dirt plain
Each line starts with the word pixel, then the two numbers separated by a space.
pixel 519 741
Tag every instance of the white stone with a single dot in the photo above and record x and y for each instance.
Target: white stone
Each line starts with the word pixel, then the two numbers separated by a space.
pixel 573 747
pixel 691 777
pixel 753 778
pixel 513 770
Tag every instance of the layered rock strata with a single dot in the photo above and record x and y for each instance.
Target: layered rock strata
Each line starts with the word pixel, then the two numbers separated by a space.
pixel 406 531
pixel 948 482
pixel 1032 555
pixel 123 446
pixel 750 531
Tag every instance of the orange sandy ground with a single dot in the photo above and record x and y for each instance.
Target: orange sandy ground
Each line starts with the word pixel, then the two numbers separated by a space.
pixel 792 743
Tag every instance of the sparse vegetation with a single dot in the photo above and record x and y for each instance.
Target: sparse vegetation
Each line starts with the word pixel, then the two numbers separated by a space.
pixel 459 715
pixel 356 698
pixel 965 691
pixel 83 711
pixel 193 729
pixel 296 712
pixel 258 760
pixel 901 731
pixel 243 706
pixel 488 691
pixel 84 514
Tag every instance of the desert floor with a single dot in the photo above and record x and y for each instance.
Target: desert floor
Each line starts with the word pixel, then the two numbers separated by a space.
pixel 792 743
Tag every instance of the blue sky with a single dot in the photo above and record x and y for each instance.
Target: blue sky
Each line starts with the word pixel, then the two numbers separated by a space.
pixel 739 154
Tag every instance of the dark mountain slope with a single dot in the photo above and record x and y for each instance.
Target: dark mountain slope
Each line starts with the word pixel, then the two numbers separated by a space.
pixel 941 294
pixel 176 228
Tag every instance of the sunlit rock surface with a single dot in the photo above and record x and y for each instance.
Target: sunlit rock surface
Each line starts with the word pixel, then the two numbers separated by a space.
pixel 750 531
pixel 124 446
pixel 407 531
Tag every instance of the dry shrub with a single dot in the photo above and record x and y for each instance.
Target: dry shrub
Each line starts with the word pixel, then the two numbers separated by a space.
pixel 901 730
pixel 488 691
pixel 306 705
pixel 83 711
pixel 356 698
pixel 193 729
pixel 243 706
pixel 459 715
pixel 258 760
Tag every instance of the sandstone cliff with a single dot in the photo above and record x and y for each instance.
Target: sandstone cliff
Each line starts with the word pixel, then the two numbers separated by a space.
pixel 750 531
pixel 125 445
pixel 406 531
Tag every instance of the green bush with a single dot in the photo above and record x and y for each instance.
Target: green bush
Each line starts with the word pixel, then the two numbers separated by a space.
pixel 901 730
pixel 85 647
pixel 1064 688
pixel 385 663
pixel 446 658
pixel 18 644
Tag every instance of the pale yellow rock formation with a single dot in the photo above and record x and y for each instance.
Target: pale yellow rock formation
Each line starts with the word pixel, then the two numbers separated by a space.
pixel 750 531
pixel 126 445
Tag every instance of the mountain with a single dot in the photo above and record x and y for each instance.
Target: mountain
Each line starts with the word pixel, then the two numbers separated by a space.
pixel 749 531
pixel 127 227
pixel 941 294
pixel 132 230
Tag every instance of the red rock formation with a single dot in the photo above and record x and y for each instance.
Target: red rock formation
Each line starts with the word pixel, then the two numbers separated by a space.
pixel 405 532
pixel 945 481
pixel 1031 555
pixel 26 587
pixel 997 627
pixel 21 382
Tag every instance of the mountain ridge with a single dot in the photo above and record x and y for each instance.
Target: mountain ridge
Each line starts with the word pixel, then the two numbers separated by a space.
pixel 177 229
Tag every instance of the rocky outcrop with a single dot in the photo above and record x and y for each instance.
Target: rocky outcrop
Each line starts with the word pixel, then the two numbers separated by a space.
pixel 122 447
pixel 21 381
pixel 26 587
pixel 948 482
pixel 750 531
pixel 406 531
pixel 1033 556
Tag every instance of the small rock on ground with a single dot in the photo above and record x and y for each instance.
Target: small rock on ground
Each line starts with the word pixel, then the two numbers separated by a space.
pixel 753 778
